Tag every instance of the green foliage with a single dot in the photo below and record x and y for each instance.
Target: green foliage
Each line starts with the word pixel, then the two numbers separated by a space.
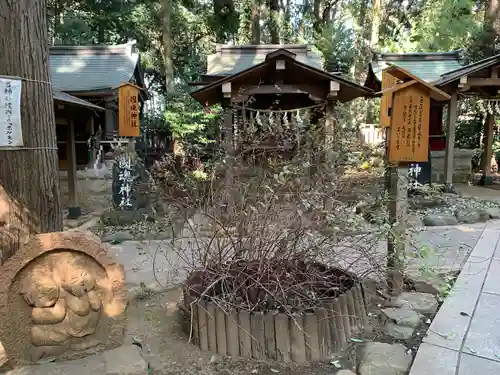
pixel 337 46
pixel 198 128
pixel 445 25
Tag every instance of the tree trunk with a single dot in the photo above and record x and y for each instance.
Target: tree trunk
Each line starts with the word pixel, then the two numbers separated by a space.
pixel 360 39
pixel 317 16
pixel 256 22
pixel 286 29
pixel 29 179
pixel 167 45
pixel 491 26
pixel 377 16
pixel 274 28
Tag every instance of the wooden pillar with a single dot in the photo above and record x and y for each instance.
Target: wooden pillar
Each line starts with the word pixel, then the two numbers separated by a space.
pixel 450 141
pixel 397 181
pixel 92 149
pixel 487 179
pixel 227 123
pixel 329 125
pixel 228 142
pixel 109 125
pixel 74 210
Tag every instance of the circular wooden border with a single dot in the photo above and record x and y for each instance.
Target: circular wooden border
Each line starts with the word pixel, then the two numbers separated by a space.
pixel 297 338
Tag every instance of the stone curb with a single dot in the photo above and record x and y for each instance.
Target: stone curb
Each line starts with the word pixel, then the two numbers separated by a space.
pixel 440 350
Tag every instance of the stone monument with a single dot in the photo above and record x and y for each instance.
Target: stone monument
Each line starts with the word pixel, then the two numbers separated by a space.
pixel 61 297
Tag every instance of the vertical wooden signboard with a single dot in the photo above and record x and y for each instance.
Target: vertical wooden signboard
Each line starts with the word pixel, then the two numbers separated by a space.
pixel 388 81
pixel 409 132
pixel 128 111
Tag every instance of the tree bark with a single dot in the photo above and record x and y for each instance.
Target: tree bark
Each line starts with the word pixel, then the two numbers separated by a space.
pixel 377 16
pixel 274 28
pixel 491 26
pixel 167 45
pixel 29 179
pixel 256 22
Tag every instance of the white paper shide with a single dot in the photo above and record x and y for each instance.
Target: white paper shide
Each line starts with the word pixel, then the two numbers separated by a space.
pixel 11 134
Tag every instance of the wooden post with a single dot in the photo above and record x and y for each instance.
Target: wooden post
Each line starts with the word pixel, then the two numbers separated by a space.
pixel 450 141
pixel 329 125
pixel 407 141
pixel 74 210
pixel 486 178
pixel 92 150
pixel 109 124
pixel 397 181
pixel 228 141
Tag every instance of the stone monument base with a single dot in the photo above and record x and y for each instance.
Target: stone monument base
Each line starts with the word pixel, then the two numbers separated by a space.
pixel 462 165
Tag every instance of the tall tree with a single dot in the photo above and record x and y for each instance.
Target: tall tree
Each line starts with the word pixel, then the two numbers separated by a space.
pixel 256 21
pixel 29 178
pixel 274 27
pixel 167 45
pixel 491 26
pixel 377 7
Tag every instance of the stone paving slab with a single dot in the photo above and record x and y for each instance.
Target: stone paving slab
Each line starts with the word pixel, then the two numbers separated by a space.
pixel 125 360
pixel 483 338
pixel 464 338
pixel 472 365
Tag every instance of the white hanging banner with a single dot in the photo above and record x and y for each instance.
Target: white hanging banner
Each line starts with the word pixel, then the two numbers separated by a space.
pixel 11 134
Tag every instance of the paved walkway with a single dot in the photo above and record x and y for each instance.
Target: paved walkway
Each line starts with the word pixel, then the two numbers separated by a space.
pixel 464 338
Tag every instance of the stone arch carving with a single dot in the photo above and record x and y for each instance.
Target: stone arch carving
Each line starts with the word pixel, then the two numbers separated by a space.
pixel 61 297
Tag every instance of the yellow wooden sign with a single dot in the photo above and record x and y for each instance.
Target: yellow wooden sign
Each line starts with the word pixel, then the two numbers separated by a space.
pixel 388 81
pixel 129 124
pixel 409 131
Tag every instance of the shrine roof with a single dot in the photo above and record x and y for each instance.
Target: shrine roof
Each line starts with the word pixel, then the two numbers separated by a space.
pixel 229 60
pixel 468 70
pixel 297 71
pixel 93 68
pixel 72 100
pixel 428 66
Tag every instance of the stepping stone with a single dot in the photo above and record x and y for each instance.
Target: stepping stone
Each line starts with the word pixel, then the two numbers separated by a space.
pixel 383 359
pixel 422 303
pixel 439 220
pixel 398 332
pixel 402 316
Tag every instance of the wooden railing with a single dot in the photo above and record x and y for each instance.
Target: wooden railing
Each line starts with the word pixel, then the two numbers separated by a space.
pixel 371 134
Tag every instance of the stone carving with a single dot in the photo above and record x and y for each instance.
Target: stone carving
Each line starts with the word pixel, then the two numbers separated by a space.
pixel 61 297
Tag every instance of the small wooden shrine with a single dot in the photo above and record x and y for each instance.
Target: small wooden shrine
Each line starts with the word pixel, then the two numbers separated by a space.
pixel 272 85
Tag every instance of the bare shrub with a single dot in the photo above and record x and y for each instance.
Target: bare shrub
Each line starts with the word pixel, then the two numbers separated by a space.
pixel 272 228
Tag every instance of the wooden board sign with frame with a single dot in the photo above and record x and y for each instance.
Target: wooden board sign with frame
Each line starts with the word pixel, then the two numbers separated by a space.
pixel 409 131
pixel 129 124
pixel 388 81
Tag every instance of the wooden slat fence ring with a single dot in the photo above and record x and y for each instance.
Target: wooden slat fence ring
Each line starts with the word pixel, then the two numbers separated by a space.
pixel 302 337
pixel 211 327
pixel 325 338
pixel 232 340
pixel 244 334
pixel 281 327
pixel 220 327
pixel 312 337
pixel 270 336
pixel 297 338
pixel 257 335
pixel 339 324
pixel 351 313
pixel 202 325
pixel 345 315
